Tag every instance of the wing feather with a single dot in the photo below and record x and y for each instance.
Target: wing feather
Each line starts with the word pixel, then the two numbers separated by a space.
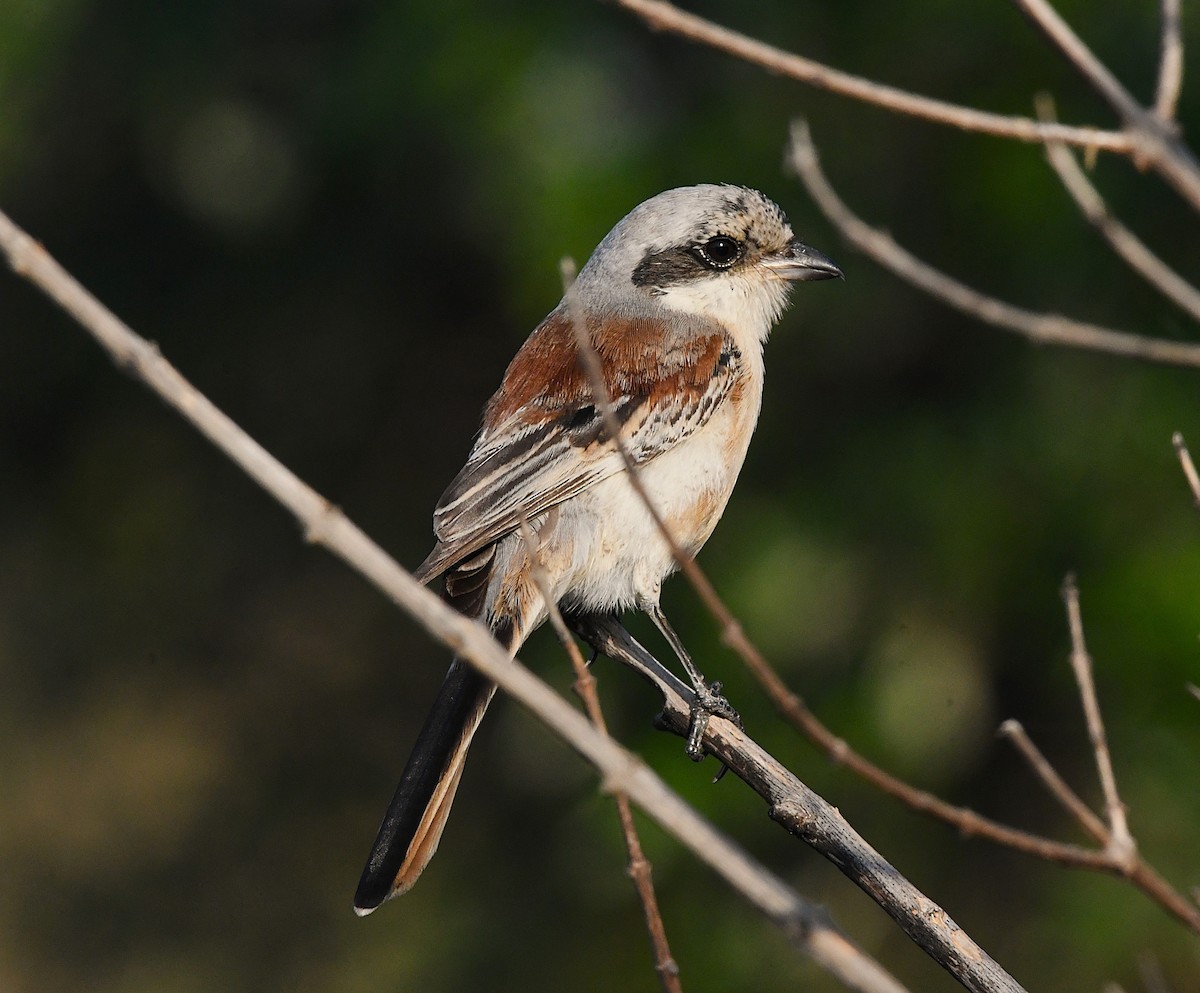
pixel 544 440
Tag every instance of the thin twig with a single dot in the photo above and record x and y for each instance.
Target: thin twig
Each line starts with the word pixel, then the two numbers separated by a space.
pixel 1046 329
pixel 731 629
pixel 639 869
pixel 1120 843
pixel 1054 783
pixel 1170 62
pixel 664 16
pixel 1189 467
pixel 1123 241
pixel 806 924
pixel 1155 142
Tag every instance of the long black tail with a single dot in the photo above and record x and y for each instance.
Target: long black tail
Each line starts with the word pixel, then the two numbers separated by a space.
pixel 413 824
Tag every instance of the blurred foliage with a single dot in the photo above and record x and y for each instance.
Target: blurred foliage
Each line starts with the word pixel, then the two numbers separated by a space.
pixel 325 212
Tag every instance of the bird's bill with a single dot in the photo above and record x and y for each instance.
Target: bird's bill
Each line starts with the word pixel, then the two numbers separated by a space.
pixel 800 263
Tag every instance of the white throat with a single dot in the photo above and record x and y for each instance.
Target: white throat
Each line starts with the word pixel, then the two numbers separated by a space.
pixel 748 304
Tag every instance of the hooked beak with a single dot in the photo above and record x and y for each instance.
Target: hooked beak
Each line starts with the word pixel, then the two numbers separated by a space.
pixel 799 263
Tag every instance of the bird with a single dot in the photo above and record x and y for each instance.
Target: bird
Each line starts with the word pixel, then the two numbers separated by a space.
pixel 677 301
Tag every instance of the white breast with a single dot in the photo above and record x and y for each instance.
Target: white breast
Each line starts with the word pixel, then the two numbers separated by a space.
pixel 605 546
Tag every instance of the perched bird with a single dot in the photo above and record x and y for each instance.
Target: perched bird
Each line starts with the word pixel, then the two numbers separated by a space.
pixel 678 301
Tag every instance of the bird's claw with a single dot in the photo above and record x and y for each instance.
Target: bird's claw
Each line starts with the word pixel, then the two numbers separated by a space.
pixel 707 702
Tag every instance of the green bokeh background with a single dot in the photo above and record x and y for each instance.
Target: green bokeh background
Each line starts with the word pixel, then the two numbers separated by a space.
pixel 340 219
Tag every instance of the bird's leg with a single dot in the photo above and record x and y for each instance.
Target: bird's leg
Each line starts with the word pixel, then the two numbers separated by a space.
pixel 708 699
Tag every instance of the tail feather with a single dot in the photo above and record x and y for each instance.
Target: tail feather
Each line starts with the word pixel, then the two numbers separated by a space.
pixel 412 826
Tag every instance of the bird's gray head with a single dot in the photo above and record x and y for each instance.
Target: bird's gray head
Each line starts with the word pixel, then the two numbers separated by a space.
pixel 724 252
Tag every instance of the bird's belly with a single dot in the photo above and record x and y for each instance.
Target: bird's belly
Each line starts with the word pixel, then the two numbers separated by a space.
pixel 611 553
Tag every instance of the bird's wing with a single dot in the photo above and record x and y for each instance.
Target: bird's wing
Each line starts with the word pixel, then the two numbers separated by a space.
pixel 544 439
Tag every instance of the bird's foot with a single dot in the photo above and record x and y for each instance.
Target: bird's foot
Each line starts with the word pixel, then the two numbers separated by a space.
pixel 708 702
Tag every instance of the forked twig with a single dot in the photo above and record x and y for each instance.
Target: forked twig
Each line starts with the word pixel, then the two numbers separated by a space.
pixel 1123 241
pixel 1148 138
pixel 1047 329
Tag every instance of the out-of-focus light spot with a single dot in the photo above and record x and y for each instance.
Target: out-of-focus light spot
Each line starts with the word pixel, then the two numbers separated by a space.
pixel 798 595
pixel 931 699
pixel 235 169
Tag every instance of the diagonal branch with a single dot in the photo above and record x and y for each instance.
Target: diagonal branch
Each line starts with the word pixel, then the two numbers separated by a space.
pixel 1042 328
pixel 663 16
pixel 805 924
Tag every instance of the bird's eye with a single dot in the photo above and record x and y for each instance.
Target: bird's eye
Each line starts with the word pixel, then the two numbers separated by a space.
pixel 720 252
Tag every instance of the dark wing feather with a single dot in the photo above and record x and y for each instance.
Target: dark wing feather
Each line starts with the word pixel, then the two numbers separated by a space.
pixel 543 439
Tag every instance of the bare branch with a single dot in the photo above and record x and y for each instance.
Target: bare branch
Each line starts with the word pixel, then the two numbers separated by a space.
pixel 1189 467
pixel 969 823
pixel 1155 142
pixel 806 924
pixel 1057 786
pixel 1047 329
pixel 663 16
pixel 1120 842
pixel 1170 63
pixel 1123 241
